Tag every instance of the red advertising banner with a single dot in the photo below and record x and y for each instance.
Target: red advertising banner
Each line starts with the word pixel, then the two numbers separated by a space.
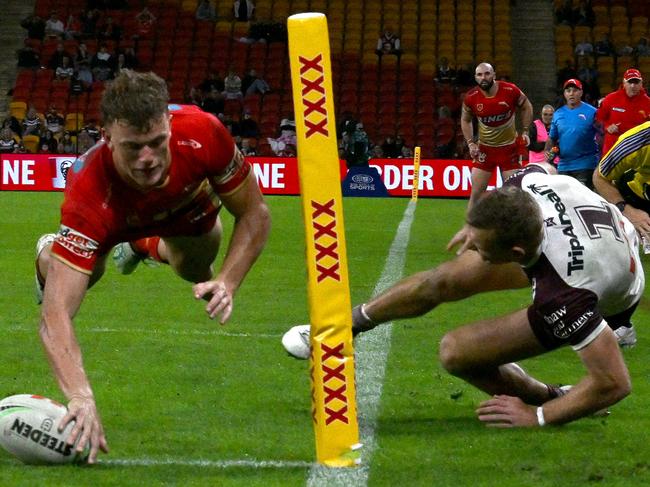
pixel 275 175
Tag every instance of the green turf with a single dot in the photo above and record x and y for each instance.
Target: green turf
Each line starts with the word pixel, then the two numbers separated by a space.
pixel 173 385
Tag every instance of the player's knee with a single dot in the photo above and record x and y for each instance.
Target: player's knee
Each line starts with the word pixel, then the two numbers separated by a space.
pixel 451 355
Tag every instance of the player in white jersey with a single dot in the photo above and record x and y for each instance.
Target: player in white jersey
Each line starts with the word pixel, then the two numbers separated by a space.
pixel 580 254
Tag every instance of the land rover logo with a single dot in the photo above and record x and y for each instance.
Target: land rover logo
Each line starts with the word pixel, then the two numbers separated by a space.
pixel 362 179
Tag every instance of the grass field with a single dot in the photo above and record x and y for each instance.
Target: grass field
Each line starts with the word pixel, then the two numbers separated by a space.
pixel 187 402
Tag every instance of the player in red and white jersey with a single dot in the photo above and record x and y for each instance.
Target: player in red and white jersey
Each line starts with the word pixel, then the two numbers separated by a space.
pixel 495 105
pixel 157 179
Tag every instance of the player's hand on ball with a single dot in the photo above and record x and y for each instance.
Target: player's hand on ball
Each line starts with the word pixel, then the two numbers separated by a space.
pixel 88 426
pixel 506 412
pixel 218 296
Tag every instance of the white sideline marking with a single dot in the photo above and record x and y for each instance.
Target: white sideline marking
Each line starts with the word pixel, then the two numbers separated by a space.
pixel 371 354
pixel 152 462
pixel 155 331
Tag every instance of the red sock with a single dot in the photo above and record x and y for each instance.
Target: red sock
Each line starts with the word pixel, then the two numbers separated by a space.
pixel 147 247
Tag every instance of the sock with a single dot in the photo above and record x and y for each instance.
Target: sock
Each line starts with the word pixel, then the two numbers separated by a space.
pixel 147 247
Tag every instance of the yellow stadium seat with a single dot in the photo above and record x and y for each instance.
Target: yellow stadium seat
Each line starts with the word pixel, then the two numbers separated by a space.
pixel 18 109
pixel 74 121
pixel 31 143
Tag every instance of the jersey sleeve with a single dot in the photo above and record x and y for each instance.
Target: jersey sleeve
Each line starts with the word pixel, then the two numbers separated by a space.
pixel 78 241
pixel 228 168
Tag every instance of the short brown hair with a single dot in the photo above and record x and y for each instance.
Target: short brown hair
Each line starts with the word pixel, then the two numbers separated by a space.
pixel 137 99
pixel 512 213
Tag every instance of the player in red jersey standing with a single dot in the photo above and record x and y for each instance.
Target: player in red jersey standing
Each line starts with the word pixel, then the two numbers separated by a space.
pixel 158 179
pixel 623 109
pixel 494 104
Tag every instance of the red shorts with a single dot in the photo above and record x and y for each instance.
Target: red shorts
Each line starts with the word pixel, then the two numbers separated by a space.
pixel 505 157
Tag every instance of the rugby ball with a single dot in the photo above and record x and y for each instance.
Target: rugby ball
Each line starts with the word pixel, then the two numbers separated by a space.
pixel 29 430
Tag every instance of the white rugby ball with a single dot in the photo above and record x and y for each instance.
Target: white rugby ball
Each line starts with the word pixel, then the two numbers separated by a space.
pixel 29 430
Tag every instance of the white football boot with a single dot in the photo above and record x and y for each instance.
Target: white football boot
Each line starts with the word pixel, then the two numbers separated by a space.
pixel 626 336
pixel 43 242
pixel 296 342
pixel 125 258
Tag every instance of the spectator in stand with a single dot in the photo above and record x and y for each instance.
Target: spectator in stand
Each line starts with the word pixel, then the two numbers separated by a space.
pixel 583 14
pixel 604 46
pixel 48 143
pixel 35 27
pixel 399 143
pixel 109 30
pixel 84 76
pixel 445 73
pixel 66 144
pixel 388 43
pixel 245 147
pixel 32 123
pixel 7 142
pixel 120 64
pixel 406 153
pixel 54 26
pixel 584 48
pixel 89 19
pixel 65 71
pixel 564 13
pixel 538 135
pixel 145 20
pixel 446 139
pixel 13 124
pixel 73 28
pixel 56 59
pixel 101 64
pixel 623 109
pixel 213 82
pixel 205 11
pixel 213 102
pixel 54 121
pixel 252 84
pixel 573 130
pixel 243 10
pixel 232 86
pixel 356 153
pixel 84 142
pixel 248 127
pixel 20 148
pixel 642 49
pixel 91 129
pixel 285 144
pixel 28 57
pixel 377 152
pixel 389 148
pixel 82 54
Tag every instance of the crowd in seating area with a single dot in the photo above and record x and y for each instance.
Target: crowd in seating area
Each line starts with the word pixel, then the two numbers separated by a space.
pixel 597 41
pixel 403 78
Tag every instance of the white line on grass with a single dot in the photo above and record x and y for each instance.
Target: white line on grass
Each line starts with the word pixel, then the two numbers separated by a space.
pixel 155 331
pixel 371 354
pixel 259 464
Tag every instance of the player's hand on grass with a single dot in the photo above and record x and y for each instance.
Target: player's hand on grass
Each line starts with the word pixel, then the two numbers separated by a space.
pixel 218 296
pixel 88 427
pixel 461 238
pixel 506 412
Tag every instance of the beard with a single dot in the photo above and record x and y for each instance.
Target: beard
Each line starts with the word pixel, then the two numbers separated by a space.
pixel 486 85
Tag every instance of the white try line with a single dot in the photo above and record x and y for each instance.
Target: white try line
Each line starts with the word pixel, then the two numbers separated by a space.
pixel 371 354
pixel 218 464
pixel 156 331
pixel 197 463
